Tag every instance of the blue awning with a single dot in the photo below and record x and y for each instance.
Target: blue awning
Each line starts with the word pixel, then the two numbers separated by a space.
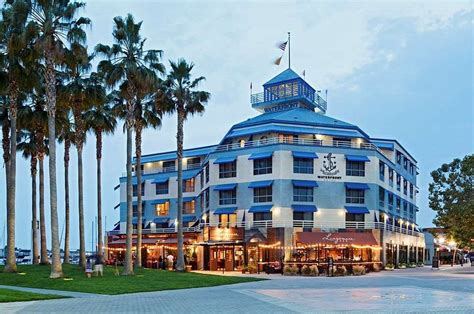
pixel 161 220
pixel 225 187
pixel 357 210
pixel 224 160
pixel 225 210
pixel 357 158
pixel 260 184
pixel 188 199
pixel 304 155
pixel 260 155
pixel 304 208
pixel 135 220
pixel 189 175
pixel 155 202
pixel 160 180
pixel 356 186
pixel 189 218
pixel 305 183
pixel 260 209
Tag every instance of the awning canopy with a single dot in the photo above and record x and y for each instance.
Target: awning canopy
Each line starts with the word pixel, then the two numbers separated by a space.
pixel 189 218
pixel 337 238
pixel 260 209
pixel 225 187
pixel 225 210
pixel 135 220
pixel 162 201
pixel 304 208
pixel 224 160
pixel 357 210
pixel 260 184
pixel 310 155
pixel 356 186
pixel 160 180
pixel 357 158
pixel 260 155
pixel 305 183
pixel 188 199
pixel 189 175
pixel 161 220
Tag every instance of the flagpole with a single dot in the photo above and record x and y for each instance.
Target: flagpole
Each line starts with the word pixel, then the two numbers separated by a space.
pixel 289 51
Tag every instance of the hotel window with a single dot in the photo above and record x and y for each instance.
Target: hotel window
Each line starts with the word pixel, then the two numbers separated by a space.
pixel 411 190
pixel 135 189
pixel 405 186
pixel 262 166
pixel 162 209
pixel 189 207
pixel 207 173
pixel 405 163
pixel 412 168
pixel 287 138
pixel 355 196
pixel 355 168
pixel 161 188
pixel 411 209
pixel 303 194
pixel 228 170
pixel 303 215
pixel 262 216
pixel 188 185
pixel 390 201
pixel 135 210
pixel 381 197
pixel 201 179
pixel 262 195
pixel 399 158
pixel 228 197
pixel 206 198
pixel 399 201
pixel 390 176
pixel 405 206
pixel 303 165
pixel 169 166
pixel 355 217
pixel 341 142
pixel 399 179
pixel 225 219
pixel 193 163
pixel 381 171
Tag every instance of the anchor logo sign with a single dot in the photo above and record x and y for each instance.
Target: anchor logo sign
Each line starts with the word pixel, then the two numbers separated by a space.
pixel 329 165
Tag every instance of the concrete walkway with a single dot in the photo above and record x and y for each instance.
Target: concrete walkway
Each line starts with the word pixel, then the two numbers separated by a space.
pixel 71 294
pixel 419 290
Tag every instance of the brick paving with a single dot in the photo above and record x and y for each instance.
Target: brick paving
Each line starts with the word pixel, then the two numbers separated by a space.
pixel 411 290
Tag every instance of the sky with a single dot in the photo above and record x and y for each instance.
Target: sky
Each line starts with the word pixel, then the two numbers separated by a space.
pixel 400 70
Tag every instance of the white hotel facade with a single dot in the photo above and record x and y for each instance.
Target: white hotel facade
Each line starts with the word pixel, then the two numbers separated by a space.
pixel 290 184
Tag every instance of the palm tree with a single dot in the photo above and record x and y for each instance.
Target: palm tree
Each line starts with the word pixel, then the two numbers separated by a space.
pixel 180 96
pixel 101 120
pixel 129 66
pixel 53 22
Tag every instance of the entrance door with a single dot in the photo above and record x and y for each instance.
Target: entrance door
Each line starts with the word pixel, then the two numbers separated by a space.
pixel 222 257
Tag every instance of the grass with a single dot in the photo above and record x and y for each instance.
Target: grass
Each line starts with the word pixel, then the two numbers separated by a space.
pixel 37 276
pixel 7 295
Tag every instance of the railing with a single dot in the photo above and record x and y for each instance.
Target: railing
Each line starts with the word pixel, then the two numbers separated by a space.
pixel 157 230
pixel 296 141
pixel 318 101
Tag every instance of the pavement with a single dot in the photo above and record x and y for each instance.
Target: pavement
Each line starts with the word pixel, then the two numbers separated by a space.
pixel 419 290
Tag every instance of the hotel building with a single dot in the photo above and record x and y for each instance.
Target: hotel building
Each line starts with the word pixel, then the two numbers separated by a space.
pixel 288 184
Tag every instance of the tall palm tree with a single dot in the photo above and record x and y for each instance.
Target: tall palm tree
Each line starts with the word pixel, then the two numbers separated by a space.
pixel 101 120
pixel 130 66
pixel 181 97
pixel 54 22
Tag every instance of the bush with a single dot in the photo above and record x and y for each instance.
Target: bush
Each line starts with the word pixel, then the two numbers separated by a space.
pixel 358 270
pixel 341 271
pixel 305 270
pixel 314 271
pixel 412 265
pixel 287 270
pixel 294 270
pixel 389 266
pixel 252 268
pixel 377 267
pixel 402 265
pixel 420 264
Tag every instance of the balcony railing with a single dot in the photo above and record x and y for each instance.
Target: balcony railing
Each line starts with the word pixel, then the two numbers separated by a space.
pixel 296 141
pixel 318 101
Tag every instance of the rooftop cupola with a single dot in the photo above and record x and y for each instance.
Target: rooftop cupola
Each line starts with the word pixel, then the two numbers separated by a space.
pixel 286 91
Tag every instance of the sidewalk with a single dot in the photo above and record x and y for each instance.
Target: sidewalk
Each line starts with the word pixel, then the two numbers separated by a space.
pixel 71 294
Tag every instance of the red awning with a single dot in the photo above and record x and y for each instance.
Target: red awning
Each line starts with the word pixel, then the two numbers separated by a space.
pixel 336 238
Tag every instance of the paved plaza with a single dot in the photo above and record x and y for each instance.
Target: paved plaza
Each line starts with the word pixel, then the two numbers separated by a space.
pixel 420 290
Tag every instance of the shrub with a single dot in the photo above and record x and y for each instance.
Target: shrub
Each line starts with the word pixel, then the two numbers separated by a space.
pixel 412 265
pixel 294 270
pixel 287 270
pixel 402 265
pixel 389 266
pixel 377 267
pixel 314 271
pixel 358 270
pixel 420 264
pixel 252 268
pixel 341 271
pixel 305 270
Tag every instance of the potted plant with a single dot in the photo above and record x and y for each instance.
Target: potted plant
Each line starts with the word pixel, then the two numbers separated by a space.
pixel 341 271
pixel 294 270
pixel 358 270
pixel 412 265
pixel 287 270
pixel 420 264
pixel 389 266
pixel 402 266
pixel 305 270
pixel 189 268
pixel 314 271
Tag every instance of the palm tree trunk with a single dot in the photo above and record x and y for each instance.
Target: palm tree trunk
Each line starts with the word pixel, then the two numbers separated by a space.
pixel 99 195
pixel 34 218
pixel 50 79
pixel 44 251
pixel 128 269
pixel 180 138
pixel 138 171
pixel 80 187
pixel 10 266
pixel 67 147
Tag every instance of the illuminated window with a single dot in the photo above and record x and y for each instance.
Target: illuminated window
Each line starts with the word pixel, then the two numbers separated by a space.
pixel 162 209
pixel 189 207
pixel 188 185
pixel 228 218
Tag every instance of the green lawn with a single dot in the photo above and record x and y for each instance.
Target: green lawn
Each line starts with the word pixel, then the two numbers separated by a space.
pixel 7 295
pixel 144 280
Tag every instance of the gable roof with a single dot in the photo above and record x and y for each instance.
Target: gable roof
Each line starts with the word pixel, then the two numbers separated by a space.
pixel 286 75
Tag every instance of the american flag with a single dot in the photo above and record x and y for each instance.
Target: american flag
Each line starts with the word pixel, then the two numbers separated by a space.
pixel 282 45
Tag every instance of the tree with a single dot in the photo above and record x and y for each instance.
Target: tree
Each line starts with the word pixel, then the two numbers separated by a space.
pixel 53 22
pixel 452 198
pixel 180 96
pixel 101 120
pixel 129 66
